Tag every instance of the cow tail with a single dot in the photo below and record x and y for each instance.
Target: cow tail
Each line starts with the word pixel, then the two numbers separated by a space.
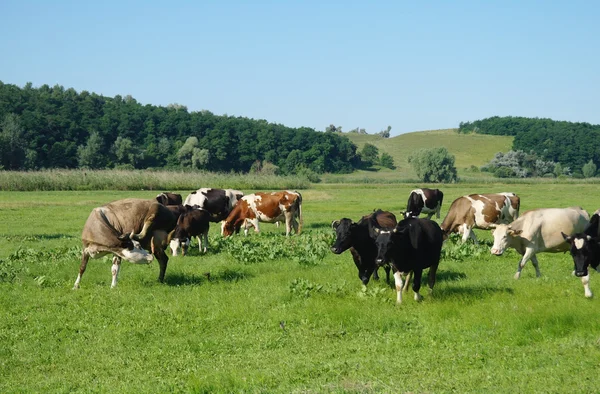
pixel 439 207
pixel 299 202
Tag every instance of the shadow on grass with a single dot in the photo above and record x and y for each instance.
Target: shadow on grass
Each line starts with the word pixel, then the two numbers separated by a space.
pixel 226 275
pixel 441 276
pixel 470 292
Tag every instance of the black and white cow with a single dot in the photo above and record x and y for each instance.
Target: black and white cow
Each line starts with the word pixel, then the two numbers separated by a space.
pixel 585 250
pixel 168 198
pixel 193 222
pixel 360 239
pixel 412 246
pixel 218 202
pixel 427 201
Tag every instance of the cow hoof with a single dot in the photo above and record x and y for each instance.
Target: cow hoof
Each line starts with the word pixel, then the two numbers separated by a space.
pixel 589 295
pixel 418 297
pixel 517 275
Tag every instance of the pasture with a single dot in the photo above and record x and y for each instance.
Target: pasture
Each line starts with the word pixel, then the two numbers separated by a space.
pixel 270 314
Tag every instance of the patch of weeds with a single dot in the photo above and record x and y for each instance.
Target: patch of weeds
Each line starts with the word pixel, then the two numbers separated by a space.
pixel 456 250
pixel 381 294
pixel 9 270
pixel 304 287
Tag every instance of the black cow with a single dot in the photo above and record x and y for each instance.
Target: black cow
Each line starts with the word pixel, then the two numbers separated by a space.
pixel 218 202
pixel 428 201
pixel 585 251
pixel 360 239
pixel 167 198
pixel 192 223
pixel 413 245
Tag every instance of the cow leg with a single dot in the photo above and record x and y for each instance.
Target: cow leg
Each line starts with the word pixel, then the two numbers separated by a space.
pixel 534 261
pixel 387 269
pixel 84 260
pixel 417 274
pixel 116 267
pixel 289 216
pixel 398 280
pixel 158 244
pixel 430 215
pixel 376 274
pixel 408 277
pixel 202 241
pixel 437 211
pixel 585 280
pixel 526 256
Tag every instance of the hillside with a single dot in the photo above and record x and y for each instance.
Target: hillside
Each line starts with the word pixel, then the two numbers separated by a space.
pixel 468 149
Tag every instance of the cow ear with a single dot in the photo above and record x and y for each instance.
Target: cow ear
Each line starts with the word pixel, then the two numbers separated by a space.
pixel 335 224
pixel 376 229
pixel 566 237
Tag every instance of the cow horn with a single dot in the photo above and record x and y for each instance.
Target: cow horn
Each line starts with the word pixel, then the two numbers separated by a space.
pixel 170 236
pixel 334 224
pixel 134 236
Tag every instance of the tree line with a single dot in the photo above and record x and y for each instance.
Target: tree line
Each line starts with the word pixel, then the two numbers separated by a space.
pixel 54 127
pixel 571 144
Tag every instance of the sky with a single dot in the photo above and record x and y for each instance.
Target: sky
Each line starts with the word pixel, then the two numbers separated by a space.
pixel 411 65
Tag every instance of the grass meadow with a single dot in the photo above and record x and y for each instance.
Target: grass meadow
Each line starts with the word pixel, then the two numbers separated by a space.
pixel 268 313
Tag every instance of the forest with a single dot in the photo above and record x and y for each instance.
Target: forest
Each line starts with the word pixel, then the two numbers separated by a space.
pixel 53 127
pixel 568 143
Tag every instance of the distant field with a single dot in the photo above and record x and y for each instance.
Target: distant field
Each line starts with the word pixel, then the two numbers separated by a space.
pixel 468 149
pixel 273 314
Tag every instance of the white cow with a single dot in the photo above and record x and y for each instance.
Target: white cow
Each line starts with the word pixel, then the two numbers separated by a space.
pixel 537 231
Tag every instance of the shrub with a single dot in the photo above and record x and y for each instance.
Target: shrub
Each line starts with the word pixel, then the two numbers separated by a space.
pixel 589 169
pixel 434 165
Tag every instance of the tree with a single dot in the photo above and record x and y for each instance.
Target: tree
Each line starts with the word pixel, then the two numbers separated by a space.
pixel 369 155
pixel 434 165
pixel 385 133
pixel 13 152
pixel 387 161
pixel 190 155
pixel 589 169
pixel 91 155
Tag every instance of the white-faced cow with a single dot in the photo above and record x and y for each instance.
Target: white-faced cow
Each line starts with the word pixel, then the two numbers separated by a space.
pixel 480 211
pixel 127 229
pixel 585 250
pixel 360 239
pixel 265 207
pixel 538 230
pixel 218 202
pixel 194 222
pixel 427 201
pixel 412 246
pixel 168 198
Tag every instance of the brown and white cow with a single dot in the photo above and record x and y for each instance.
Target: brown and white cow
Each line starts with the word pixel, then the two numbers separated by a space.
pixel 539 230
pixel 480 211
pixel 127 229
pixel 265 207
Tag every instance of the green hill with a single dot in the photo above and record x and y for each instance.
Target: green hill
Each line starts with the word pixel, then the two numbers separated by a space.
pixel 468 149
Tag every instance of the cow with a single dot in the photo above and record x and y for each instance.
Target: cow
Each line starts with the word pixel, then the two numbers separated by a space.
pixel 127 229
pixel 167 198
pixel 177 210
pixel 360 239
pixel 192 223
pixel 480 211
pixel 538 230
pixel 412 246
pixel 585 250
pixel 218 202
pixel 265 207
pixel 428 201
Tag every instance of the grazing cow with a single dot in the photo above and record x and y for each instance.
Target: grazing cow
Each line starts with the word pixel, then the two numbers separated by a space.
pixel 125 228
pixel 585 251
pixel 480 211
pixel 538 230
pixel 192 223
pixel 360 239
pixel 412 246
pixel 167 198
pixel 265 207
pixel 218 202
pixel 428 201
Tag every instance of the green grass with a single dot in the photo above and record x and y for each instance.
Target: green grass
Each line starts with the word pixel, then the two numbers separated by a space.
pixel 468 150
pixel 215 324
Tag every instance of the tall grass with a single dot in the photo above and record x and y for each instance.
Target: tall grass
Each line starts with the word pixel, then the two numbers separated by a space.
pixel 142 180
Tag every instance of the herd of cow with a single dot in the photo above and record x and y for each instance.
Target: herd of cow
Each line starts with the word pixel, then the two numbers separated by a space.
pixel 130 228
pixel 414 244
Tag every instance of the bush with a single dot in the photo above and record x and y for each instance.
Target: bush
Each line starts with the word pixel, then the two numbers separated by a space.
pixel 434 165
pixel 387 161
pixel 589 169
pixel 504 172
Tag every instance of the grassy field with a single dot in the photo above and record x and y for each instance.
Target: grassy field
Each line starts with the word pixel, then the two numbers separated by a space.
pixel 270 314
pixel 468 150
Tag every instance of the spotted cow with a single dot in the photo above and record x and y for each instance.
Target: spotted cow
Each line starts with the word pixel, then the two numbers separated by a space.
pixel 218 202
pixel 427 201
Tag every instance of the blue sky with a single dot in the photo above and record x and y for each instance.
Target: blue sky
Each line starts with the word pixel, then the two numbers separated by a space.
pixel 413 65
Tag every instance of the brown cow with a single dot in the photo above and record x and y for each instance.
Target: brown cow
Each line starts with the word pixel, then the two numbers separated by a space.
pixel 168 198
pixel 127 229
pixel 265 207
pixel 480 211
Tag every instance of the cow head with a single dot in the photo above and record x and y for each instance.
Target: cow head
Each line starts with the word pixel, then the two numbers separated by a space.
pixel 343 235
pixel 132 250
pixel 503 234
pixel 179 238
pixel 228 228
pixel 585 251
pixel 391 242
